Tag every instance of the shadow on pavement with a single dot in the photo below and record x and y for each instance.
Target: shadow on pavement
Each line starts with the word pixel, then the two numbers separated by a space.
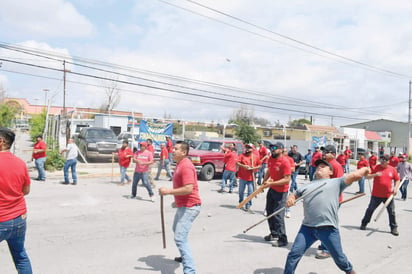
pixel 371 230
pixel 274 270
pixel 158 263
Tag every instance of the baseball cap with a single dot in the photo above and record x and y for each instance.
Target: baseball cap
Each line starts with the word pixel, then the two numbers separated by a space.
pixel 329 149
pixel 384 157
pixel 143 144
pixel 277 145
pixel 321 161
pixel 249 145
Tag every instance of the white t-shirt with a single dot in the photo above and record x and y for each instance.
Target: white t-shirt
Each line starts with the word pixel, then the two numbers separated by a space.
pixel 71 152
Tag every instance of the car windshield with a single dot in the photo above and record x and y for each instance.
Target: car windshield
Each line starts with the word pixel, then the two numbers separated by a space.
pixel 209 146
pixel 105 134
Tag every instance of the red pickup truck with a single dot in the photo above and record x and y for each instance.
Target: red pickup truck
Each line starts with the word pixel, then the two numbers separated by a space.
pixel 207 157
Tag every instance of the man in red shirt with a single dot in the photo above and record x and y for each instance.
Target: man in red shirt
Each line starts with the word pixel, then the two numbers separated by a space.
pixel 125 155
pixel 316 156
pixel 150 148
pixel 143 159
pixel 188 203
pixel 163 162
pixel 394 160
pixel 39 156
pixel 341 160
pixel 362 163
pixel 169 146
pixel 348 154
pixel 263 156
pixel 373 160
pixel 229 159
pixel 383 176
pixel 277 178
pixel 247 167
pixel 14 184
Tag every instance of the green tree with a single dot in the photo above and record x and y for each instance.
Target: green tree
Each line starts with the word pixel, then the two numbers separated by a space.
pixel 246 133
pixel 299 122
pixel 37 124
pixel 7 115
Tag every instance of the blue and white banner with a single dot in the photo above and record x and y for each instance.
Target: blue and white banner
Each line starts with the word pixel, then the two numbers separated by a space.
pixel 155 131
pixel 318 142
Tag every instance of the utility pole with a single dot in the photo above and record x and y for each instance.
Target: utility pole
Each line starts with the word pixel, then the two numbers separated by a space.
pixel 66 120
pixel 409 118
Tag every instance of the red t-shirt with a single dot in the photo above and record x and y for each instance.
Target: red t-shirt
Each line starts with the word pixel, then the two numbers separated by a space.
pixel 372 161
pixel 382 185
pixel 39 145
pixel 13 177
pixel 243 173
pixel 123 160
pixel 291 162
pixel 185 173
pixel 316 156
pixel 169 146
pixel 150 148
pixel 279 168
pixel 230 161
pixel 145 156
pixel 341 159
pixel 348 153
pixel 164 154
pixel 394 161
pixel 337 169
pixel 263 151
pixel 362 163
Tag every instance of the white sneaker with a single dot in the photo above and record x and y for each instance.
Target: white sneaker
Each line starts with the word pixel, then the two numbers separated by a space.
pixel 152 198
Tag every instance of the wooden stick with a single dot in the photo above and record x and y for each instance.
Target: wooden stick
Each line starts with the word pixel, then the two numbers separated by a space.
pixel 283 208
pixel 251 196
pixel 352 198
pixel 162 218
pixel 388 201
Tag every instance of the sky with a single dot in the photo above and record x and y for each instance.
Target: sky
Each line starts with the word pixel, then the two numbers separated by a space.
pixel 337 62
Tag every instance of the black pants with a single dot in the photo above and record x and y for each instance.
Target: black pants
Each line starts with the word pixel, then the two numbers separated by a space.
pixel 274 201
pixel 373 204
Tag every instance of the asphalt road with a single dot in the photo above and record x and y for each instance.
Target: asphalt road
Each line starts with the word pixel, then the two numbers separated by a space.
pixel 94 228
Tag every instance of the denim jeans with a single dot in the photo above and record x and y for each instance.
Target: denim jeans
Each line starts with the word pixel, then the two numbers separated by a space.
pixel 145 180
pixel 72 165
pixel 361 183
pixel 40 168
pixel 164 165
pixel 347 167
pixel 182 223
pixel 242 186
pixel 261 173
pixel 404 189
pixel 14 232
pixel 328 235
pixel 373 204
pixel 312 170
pixel 275 201
pixel 293 184
pixel 228 175
pixel 123 174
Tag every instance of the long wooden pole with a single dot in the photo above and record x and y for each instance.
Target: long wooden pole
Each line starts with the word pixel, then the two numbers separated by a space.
pixel 162 218
pixel 352 198
pixel 388 201
pixel 251 196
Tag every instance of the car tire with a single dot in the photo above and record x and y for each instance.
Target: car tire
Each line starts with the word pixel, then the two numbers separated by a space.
pixel 207 173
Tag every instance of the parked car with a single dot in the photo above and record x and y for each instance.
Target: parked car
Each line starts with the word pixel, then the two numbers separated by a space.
pixel 97 143
pixel 128 136
pixel 267 143
pixel 208 159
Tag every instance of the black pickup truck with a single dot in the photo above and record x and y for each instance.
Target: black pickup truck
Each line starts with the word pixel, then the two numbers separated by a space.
pixel 96 143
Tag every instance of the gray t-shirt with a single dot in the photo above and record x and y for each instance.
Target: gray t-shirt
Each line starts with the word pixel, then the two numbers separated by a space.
pixel 321 206
pixel 71 152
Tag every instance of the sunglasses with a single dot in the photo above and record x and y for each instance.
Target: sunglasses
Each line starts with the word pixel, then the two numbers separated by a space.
pixel 327 151
pixel 273 147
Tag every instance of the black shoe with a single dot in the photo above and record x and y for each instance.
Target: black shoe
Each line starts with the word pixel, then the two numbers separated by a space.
pixel 156 179
pixel 279 244
pixel 178 259
pixel 65 183
pixel 362 227
pixel 170 179
pixel 74 183
pixel 270 238
pixel 221 190
pixel 394 232
pixel 230 191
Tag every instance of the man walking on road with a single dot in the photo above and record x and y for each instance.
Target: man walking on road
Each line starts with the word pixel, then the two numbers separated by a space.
pixel 264 156
pixel 298 160
pixel 230 167
pixel 188 203
pixel 39 156
pixel 362 163
pixel 124 155
pixel 14 184
pixel 71 161
pixel 383 175
pixel 163 162
pixel 321 216
pixel 143 159
pixel 405 172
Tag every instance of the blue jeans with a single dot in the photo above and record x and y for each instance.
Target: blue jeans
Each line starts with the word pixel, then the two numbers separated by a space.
pixel 361 183
pixel 228 175
pixel 261 173
pixel 145 180
pixel 347 167
pixel 123 174
pixel 164 165
pixel 14 232
pixel 328 235
pixel 40 168
pixel 373 204
pixel 404 189
pixel 72 165
pixel 312 170
pixel 242 186
pixel 182 223
pixel 293 184
pixel 275 201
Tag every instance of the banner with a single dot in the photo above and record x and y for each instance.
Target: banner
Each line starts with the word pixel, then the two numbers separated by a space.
pixel 155 131
pixel 318 142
